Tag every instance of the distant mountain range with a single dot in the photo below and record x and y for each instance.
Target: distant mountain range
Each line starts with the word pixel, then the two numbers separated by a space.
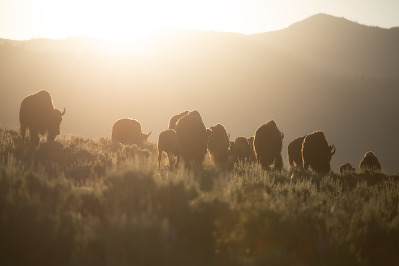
pixel 337 45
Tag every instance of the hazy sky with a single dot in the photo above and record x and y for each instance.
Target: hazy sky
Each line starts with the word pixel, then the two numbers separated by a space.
pixel 25 19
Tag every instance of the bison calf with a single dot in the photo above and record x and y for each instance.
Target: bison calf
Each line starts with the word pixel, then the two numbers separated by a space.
pixel 346 169
pixel 168 143
pixel 295 153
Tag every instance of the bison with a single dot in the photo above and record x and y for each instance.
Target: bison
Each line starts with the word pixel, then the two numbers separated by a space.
pixel 174 119
pixel 192 138
pixel 218 144
pixel 242 150
pixel 316 153
pixel 268 143
pixel 295 153
pixel 128 131
pixel 38 115
pixel 346 169
pixel 369 162
pixel 168 143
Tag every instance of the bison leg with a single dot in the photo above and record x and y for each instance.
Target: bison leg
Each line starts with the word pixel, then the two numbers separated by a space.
pixel 22 130
pixel 278 164
pixel 159 159
pixel 34 138
pixel 265 164
pixel 171 161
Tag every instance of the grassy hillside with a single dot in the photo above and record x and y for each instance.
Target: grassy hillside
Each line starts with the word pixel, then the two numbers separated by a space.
pixel 82 201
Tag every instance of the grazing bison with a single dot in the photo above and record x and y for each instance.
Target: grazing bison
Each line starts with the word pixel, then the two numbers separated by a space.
pixel 192 137
pixel 316 153
pixel 174 119
pixel 218 144
pixel 369 162
pixel 128 131
pixel 268 143
pixel 242 149
pixel 346 169
pixel 295 153
pixel 38 115
pixel 168 143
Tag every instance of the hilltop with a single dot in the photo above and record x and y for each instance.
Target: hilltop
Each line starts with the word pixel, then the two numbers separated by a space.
pixel 339 46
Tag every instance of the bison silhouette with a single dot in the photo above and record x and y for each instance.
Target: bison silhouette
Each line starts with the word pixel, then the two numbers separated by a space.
pixel 295 153
pixel 218 144
pixel 169 143
pixel 38 115
pixel 242 150
pixel 128 131
pixel 369 162
pixel 346 169
pixel 192 137
pixel 268 143
pixel 316 153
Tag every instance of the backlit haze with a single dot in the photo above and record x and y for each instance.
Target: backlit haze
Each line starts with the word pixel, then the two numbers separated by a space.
pixel 309 65
pixel 118 19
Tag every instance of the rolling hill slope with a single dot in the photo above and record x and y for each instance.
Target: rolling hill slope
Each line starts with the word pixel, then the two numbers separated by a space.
pixel 339 46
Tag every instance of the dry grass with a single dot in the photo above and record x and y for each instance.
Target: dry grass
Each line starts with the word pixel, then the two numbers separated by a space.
pixel 90 202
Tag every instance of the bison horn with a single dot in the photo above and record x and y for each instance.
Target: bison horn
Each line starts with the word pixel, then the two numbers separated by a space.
pixel 282 135
pixel 63 113
pixel 147 135
pixel 332 148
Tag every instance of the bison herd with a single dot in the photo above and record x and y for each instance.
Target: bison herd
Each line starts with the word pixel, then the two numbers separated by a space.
pixel 189 140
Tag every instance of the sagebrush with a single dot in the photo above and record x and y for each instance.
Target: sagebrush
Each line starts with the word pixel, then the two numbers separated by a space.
pixel 80 201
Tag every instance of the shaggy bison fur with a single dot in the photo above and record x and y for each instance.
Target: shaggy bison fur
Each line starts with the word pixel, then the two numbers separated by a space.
pixel 128 131
pixel 369 162
pixel 218 144
pixel 268 143
pixel 38 115
pixel 192 137
pixel 316 153
pixel 168 143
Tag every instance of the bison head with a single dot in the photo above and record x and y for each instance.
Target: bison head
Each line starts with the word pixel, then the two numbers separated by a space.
pixel 54 124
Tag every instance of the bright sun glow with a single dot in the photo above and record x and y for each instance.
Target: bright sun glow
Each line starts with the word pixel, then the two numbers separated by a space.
pixel 119 19
pixel 102 19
